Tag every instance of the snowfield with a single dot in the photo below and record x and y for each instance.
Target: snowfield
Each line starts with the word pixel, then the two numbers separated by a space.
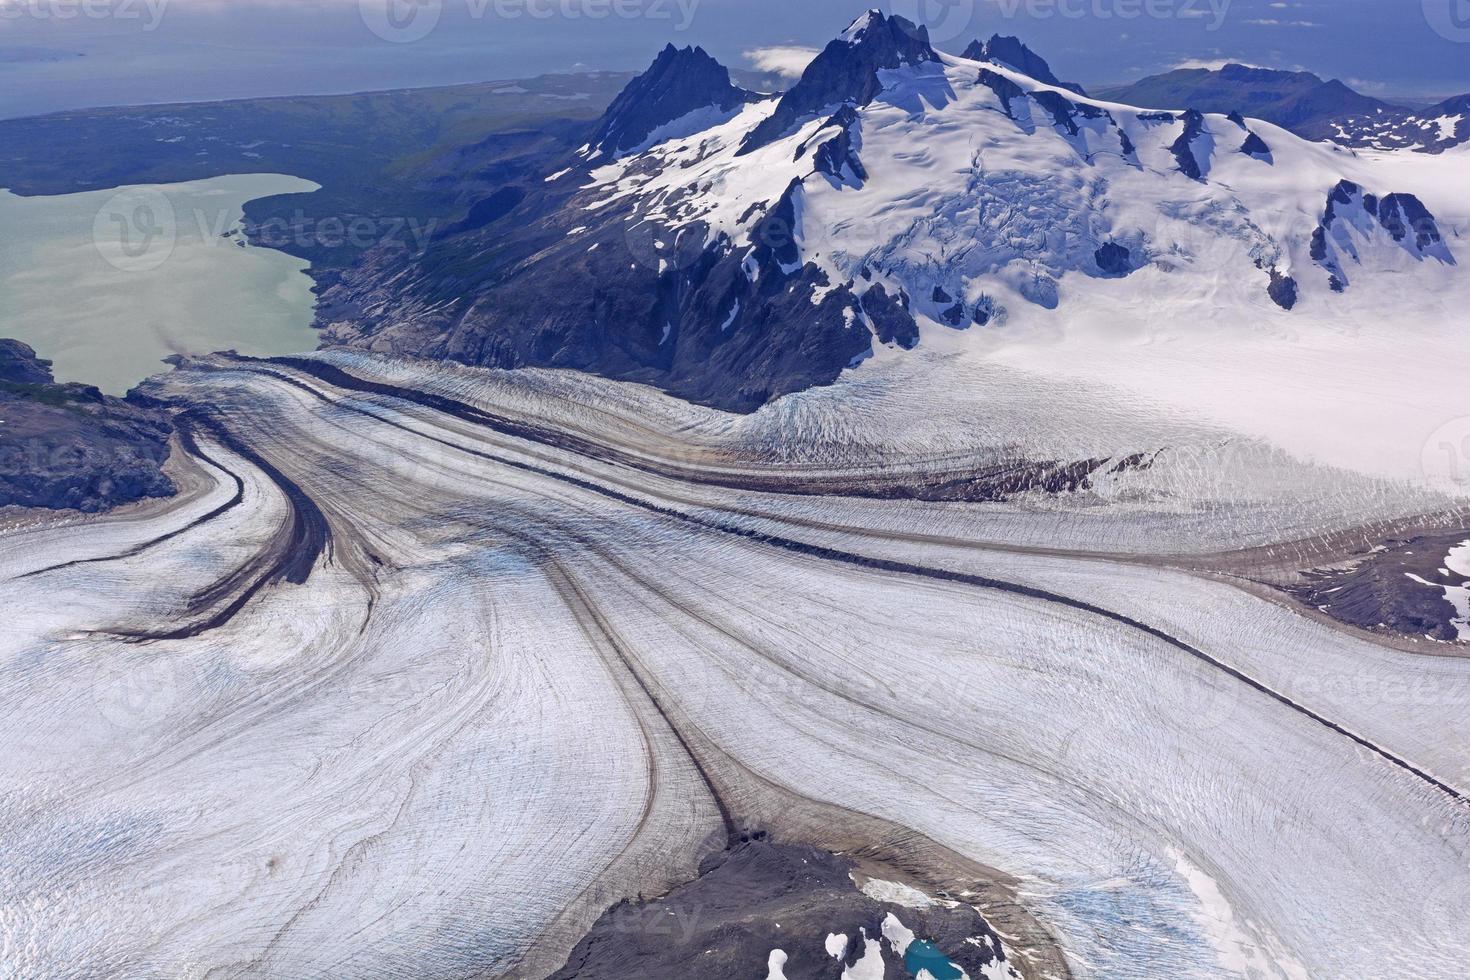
pixel 969 199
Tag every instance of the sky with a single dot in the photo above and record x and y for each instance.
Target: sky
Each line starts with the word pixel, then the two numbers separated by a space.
pixel 60 54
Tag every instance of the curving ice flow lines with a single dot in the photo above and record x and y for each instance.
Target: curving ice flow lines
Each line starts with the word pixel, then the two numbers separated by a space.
pixel 292 555
pixel 346 381
pixel 184 425
pixel 431 670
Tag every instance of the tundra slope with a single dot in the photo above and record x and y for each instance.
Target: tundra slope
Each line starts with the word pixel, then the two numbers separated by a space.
pixel 359 761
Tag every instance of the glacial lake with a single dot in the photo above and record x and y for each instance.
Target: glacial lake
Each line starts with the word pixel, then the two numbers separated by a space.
pixel 108 283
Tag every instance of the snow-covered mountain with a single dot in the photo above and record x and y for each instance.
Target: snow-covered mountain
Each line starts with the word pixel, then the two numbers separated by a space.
pixel 680 84
pixel 748 246
pixel 1439 128
pixel 1012 53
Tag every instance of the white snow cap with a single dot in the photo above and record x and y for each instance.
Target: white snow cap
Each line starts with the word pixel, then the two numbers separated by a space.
pixel 864 21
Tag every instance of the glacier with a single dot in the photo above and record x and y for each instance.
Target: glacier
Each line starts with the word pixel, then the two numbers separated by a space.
pixel 548 642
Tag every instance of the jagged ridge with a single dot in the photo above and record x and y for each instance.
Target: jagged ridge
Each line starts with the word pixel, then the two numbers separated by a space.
pixel 846 72
pixel 1010 52
pixel 680 81
pixel 779 245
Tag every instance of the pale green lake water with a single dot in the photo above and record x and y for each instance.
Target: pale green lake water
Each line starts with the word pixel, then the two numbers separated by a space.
pixel 108 283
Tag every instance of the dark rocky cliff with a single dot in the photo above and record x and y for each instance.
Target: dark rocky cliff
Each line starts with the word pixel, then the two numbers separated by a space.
pixel 69 447
pixel 680 81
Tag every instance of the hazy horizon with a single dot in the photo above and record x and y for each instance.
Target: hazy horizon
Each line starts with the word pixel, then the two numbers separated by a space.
pixel 71 54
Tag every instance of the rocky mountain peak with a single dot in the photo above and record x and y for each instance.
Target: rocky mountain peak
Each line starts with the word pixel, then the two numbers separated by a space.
pixel 680 81
pixel 1012 53
pixel 860 223
pixel 868 20
pixel 847 72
